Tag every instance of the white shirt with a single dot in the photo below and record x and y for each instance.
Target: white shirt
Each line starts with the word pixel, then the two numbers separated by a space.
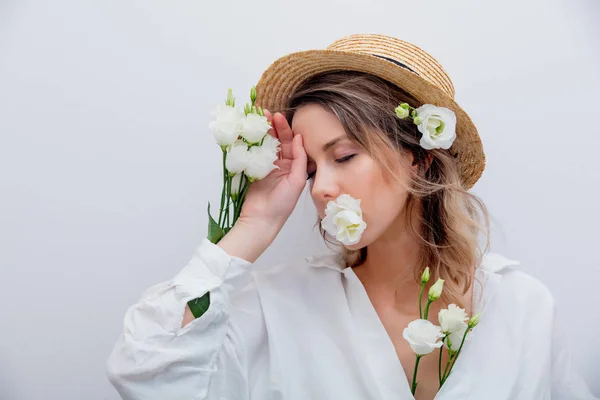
pixel 307 330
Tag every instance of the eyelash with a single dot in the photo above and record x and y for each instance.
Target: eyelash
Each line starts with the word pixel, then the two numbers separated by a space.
pixel 339 161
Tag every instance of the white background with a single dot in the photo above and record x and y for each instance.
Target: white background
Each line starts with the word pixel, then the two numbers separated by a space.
pixel 106 162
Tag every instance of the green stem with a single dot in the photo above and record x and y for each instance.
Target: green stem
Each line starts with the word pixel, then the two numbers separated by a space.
pixel 413 388
pixel 440 361
pixel 223 190
pixel 462 342
pixel 456 355
pixel 241 201
pixel 228 185
pixel 421 300
pixel 427 308
pixel 242 185
pixel 237 203
pixel 230 201
pixel 446 371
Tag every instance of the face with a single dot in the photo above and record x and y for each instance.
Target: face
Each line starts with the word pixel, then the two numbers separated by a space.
pixel 336 166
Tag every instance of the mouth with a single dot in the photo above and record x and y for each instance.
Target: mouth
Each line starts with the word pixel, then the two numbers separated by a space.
pixel 344 220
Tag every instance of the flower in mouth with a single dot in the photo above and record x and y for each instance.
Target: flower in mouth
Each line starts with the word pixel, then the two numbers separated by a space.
pixel 344 219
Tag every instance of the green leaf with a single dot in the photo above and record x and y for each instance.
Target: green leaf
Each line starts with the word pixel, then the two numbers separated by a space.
pixel 215 233
pixel 199 305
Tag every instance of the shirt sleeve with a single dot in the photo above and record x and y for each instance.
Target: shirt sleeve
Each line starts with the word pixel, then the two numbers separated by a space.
pixel 155 358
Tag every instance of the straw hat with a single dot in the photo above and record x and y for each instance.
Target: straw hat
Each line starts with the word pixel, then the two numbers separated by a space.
pixel 397 61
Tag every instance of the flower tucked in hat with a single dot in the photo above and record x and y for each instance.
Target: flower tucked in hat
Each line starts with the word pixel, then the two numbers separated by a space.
pixel 399 62
pixel 437 124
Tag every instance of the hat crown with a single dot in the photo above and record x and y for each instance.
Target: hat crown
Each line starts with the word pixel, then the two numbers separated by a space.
pixel 413 57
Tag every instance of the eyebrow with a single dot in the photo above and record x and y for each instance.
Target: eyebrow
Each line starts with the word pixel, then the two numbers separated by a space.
pixel 332 142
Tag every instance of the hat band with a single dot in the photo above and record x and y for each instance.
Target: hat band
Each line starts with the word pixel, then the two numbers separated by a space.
pixel 398 63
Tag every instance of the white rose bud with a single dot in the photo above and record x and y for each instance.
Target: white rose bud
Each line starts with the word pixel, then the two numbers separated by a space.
pixel 423 336
pixel 237 157
pixel 402 112
pixel 344 220
pixel 254 128
pixel 452 319
pixel 226 125
pixel 474 320
pixel 425 277
pixel 438 126
pixel 260 161
pixel 436 290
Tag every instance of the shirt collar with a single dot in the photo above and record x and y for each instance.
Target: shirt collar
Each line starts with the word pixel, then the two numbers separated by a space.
pixel 491 262
pixel 332 261
pixel 487 276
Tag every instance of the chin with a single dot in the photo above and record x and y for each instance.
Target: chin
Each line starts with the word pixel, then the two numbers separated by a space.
pixel 359 245
pixel 355 246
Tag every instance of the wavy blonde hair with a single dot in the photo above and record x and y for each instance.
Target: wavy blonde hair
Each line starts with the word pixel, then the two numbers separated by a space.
pixel 441 214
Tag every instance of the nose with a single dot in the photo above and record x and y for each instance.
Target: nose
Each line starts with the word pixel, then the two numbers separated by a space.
pixel 324 187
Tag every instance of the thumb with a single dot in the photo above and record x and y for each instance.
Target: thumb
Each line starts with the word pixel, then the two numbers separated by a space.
pixel 299 161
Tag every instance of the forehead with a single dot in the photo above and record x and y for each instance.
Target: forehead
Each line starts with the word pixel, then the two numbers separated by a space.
pixel 313 117
pixel 317 126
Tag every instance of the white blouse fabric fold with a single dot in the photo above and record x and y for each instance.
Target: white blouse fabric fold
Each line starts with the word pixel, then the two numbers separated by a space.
pixel 307 330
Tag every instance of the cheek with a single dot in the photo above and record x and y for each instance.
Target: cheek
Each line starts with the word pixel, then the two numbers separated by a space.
pixel 383 200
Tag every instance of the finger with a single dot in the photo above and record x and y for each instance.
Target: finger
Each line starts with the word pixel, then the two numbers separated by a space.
pixel 273 130
pixel 298 170
pixel 268 115
pixel 285 135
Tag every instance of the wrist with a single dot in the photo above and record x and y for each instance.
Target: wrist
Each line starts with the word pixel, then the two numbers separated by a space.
pixel 248 239
pixel 261 228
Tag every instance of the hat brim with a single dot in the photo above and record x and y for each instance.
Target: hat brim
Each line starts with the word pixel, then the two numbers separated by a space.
pixel 279 81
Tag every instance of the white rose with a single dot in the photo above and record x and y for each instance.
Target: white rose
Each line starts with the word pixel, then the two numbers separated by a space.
pixel 254 128
pixel 344 219
pixel 438 126
pixel 452 318
pixel 271 143
pixel 422 336
pixel 260 161
pixel 227 124
pixel 237 157
pixel 455 338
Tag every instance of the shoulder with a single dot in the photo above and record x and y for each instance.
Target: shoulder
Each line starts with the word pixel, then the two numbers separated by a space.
pixel 514 286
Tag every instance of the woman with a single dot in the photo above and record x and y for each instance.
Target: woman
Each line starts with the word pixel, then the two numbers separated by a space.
pixel 331 326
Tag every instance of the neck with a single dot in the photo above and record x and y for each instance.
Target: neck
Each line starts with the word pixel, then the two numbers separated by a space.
pixel 390 265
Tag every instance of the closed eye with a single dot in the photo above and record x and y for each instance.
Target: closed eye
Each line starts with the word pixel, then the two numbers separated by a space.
pixel 339 161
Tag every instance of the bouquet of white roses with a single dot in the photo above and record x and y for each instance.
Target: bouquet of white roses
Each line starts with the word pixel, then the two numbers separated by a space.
pixel 424 337
pixel 248 155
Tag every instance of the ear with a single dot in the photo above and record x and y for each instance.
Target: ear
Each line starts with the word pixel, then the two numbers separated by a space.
pixel 428 160
pixel 413 162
